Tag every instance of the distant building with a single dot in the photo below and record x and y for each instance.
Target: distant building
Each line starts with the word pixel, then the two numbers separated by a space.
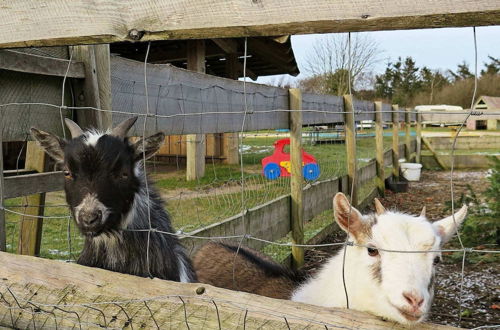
pixel 485 104
pixel 436 114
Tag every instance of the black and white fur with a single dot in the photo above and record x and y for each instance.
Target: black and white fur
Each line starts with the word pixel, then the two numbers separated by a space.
pixel 109 198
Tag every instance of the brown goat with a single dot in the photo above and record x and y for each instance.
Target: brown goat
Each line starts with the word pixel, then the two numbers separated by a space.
pixel 248 271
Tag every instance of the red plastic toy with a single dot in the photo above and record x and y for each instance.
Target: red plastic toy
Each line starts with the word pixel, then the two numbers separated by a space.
pixel 278 164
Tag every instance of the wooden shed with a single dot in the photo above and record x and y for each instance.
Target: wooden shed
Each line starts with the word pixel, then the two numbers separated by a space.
pixel 485 104
pixel 224 58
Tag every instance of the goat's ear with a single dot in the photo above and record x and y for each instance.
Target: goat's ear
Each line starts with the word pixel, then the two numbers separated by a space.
pixel 348 218
pixel 52 144
pixel 379 208
pixel 150 145
pixel 447 227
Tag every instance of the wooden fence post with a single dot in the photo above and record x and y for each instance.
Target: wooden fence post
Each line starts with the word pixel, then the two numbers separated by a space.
pixel 395 142
pixel 3 227
pixel 87 90
pixel 230 140
pixel 296 180
pixel 195 143
pixel 30 228
pixel 419 137
pixel 103 67
pixel 379 147
pixel 407 135
pixel 350 144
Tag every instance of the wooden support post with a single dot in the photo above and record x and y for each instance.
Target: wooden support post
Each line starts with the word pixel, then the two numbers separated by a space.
pixel 3 227
pixel 195 143
pixel 87 90
pixel 379 148
pixel 419 137
pixel 407 134
pixel 296 180
pixel 231 143
pixel 30 228
pixel 434 153
pixel 350 144
pixel 395 142
pixel 104 83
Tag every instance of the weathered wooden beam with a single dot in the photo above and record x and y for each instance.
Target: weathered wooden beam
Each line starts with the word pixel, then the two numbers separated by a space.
pixel 195 143
pixel 268 49
pixel 106 21
pixel 395 142
pixel 434 153
pixel 102 60
pixel 350 145
pixel 229 46
pixel 36 64
pixel 379 149
pixel 92 298
pixel 407 134
pixel 30 228
pixel 23 185
pixel 297 178
pixel 419 137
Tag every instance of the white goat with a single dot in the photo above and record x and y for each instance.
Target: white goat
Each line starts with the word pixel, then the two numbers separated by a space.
pixel 394 285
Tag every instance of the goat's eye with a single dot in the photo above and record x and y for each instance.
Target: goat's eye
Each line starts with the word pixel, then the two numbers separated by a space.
pixel 67 174
pixel 436 260
pixel 124 175
pixel 372 252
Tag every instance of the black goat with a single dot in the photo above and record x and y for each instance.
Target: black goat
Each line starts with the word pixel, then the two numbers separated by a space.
pixel 111 202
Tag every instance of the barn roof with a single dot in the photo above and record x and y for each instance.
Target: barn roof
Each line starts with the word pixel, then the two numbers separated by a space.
pixel 488 102
pixel 266 55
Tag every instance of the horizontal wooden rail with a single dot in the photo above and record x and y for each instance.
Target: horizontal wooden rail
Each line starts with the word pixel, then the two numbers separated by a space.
pixel 89 297
pixel 30 63
pixel 24 185
pixel 61 22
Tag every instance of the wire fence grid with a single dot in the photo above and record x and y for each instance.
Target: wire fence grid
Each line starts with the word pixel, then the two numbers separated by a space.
pixel 228 191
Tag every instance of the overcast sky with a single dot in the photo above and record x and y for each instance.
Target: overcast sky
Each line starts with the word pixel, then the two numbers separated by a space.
pixel 434 48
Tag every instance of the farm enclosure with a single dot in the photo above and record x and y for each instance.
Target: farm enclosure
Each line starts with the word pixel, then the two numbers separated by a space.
pixel 252 109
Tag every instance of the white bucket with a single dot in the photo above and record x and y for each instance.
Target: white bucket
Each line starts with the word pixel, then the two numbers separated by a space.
pixel 411 171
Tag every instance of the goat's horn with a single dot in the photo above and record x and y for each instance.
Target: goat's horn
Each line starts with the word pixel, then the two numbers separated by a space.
pixel 379 208
pixel 122 129
pixel 73 127
pixel 422 213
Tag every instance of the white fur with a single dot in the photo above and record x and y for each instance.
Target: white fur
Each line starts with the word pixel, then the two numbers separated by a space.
pixel 182 270
pixel 92 136
pixel 401 272
pixel 91 202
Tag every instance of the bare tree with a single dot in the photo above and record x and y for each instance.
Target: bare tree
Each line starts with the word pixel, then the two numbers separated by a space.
pixel 330 59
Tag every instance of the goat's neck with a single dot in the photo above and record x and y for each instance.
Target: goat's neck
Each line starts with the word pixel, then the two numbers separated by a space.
pixel 326 288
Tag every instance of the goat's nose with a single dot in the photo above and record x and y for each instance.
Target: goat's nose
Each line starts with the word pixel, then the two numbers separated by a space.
pixel 415 300
pixel 91 218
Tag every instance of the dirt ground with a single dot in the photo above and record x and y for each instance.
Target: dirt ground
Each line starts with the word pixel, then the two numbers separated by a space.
pixel 480 297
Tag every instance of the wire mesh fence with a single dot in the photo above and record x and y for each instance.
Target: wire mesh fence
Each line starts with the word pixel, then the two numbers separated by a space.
pixel 258 118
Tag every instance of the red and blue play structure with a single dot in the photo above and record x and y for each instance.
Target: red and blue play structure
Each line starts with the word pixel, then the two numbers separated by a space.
pixel 278 164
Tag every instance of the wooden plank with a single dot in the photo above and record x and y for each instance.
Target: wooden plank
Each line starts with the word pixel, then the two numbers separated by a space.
pixel 229 46
pixel 87 91
pixel 230 150
pixel 367 172
pixel 434 153
pixel 419 137
pixel 23 185
pixel 81 293
pixel 395 142
pixel 109 21
pixel 36 64
pixel 407 134
pixel 195 147
pixel 297 179
pixel 350 145
pixel 103 68
pixel 379 149
pixel 30 228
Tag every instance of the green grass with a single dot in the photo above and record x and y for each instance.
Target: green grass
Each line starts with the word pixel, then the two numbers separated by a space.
pixel 195 204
